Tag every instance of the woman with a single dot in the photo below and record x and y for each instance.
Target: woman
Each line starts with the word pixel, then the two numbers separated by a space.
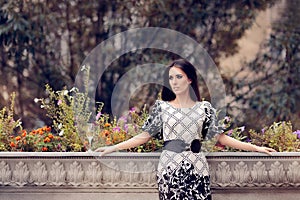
pixel 183 171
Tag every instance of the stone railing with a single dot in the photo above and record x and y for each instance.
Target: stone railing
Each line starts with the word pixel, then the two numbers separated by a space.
pixel 124 175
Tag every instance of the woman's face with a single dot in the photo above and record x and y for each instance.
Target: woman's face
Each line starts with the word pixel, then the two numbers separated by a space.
pixel 179 81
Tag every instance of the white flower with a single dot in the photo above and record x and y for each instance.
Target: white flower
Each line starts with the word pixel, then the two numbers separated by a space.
pixel 19 124
pixel 242 128
pixel 36 100
pixel 73 89
pixel 83 68
pixel 59 126
pixel 61 133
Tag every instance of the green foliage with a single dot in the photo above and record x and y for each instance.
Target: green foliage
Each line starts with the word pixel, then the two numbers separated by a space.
pixel 237 133
pixel 270 88
pixel 279 136
pixel 32 34
pixel 69 110
pixel 38 140
pixel 8 125
pixel 127 126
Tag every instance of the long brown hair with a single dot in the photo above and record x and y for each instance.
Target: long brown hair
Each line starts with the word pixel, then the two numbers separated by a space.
pixel 167 94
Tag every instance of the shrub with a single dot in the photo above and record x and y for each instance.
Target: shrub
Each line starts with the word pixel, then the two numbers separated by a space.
pixel 279 136
pixel 8 125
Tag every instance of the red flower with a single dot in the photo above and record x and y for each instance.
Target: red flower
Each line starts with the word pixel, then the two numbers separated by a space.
pixel 44 149
pixel 48 129
pixel 24 133
pixel 12 144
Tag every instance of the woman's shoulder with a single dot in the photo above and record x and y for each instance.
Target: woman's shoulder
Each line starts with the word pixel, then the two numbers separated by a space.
pixel 158 103
pixel 205 103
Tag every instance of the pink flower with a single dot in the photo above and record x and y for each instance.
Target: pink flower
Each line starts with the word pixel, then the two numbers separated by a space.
pixel 297 133
pixel 227 119
pixel 98 115
pixel 117 129
pixel 132 110
pixel 229 133
pixel 59 102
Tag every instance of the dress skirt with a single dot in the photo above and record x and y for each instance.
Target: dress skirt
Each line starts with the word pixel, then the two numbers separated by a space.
pixel 183 176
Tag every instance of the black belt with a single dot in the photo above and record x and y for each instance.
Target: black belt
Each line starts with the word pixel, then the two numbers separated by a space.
pixel 179 146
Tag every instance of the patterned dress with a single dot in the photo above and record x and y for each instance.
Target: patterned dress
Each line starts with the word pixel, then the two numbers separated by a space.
pixel 183 175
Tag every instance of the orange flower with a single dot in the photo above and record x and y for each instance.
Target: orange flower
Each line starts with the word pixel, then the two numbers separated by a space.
pixel 50 136
pixel 24 133
pixel 47 139
pixel 40 131
pixel 18 138
pixel 33 132
pixel 105 133
pixel 12 144
pixel 108 141
pixel 44 149
pixel 48 128
pixel 107 125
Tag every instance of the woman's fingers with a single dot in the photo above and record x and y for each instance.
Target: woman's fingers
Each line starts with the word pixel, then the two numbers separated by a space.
pixel 271 150
pixel 101 149
pixel 266 150
pixel 106 150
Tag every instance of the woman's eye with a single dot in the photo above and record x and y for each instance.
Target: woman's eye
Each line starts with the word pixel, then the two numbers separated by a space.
pixel 179 76
pixel 170 77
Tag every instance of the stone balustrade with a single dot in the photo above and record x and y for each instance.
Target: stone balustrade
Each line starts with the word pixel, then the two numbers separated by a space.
pixel 79 175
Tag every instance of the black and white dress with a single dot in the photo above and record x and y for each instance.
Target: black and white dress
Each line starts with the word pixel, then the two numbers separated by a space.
pixel 183 175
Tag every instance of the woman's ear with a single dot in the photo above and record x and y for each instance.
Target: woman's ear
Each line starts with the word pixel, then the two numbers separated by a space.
pixel 190 81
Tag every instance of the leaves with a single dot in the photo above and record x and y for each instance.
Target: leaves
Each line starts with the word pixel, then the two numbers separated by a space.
pixel 8 124
pixel 44 42
pixel 279 136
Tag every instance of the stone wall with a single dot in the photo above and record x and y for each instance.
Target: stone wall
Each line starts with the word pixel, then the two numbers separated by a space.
pixel 242 176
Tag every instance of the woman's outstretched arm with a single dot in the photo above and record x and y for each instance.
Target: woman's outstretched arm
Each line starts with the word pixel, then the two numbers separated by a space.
pixel 231 142
pixel 132 142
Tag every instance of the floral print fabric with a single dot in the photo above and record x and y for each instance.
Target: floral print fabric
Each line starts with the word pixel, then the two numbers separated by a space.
pixel 184 183
pixel 182 175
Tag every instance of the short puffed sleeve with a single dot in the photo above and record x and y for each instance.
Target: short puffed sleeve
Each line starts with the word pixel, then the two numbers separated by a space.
pixel 153 124
pixel 211 125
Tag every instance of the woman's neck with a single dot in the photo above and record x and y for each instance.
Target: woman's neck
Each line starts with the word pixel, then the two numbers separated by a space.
pixel 183 101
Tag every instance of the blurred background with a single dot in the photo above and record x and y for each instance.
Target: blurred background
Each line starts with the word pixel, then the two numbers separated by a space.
pixel 254 43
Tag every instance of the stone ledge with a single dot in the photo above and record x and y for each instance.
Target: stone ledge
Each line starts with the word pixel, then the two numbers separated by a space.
pixel 126 170
pixel 236 174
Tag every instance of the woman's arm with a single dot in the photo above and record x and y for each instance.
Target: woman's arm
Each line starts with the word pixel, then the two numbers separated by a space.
pixel 231 142
pixel 132 142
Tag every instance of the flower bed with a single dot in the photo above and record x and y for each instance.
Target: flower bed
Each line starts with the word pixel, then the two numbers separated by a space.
pixel 70 113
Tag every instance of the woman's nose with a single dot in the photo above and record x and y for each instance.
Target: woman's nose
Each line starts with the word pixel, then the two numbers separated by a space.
pixel 174 81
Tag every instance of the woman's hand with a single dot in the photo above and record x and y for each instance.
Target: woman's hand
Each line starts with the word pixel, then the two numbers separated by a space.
pixel 266 150
pixel 231 142
pixel 107 150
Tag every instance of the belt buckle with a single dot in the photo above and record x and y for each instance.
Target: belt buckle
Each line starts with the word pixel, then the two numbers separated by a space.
pixel 195 146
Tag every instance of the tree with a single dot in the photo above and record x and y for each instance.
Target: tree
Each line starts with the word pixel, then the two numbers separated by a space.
pixel 46 41
pixel 270 91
